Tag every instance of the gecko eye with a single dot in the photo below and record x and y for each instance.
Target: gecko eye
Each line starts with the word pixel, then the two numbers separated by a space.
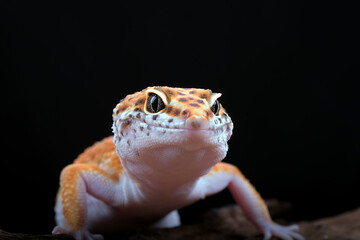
pixel 154 103
pixel 215 107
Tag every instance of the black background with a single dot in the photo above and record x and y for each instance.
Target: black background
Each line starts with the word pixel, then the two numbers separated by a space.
pixel 288 71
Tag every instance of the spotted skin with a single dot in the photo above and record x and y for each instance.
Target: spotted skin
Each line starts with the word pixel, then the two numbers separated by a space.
pixel 180 103
pixel 165 154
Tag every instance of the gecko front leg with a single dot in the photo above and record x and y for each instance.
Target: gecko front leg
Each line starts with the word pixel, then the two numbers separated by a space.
pixel 76 183
pixel 248 199
pixel 171 220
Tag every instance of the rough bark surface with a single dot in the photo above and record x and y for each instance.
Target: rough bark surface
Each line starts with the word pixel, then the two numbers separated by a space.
pixel 229 223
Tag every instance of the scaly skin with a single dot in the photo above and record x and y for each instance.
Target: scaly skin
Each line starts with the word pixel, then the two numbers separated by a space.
pixel 165 154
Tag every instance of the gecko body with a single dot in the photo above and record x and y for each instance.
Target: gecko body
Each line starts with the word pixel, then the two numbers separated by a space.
pixel 165 154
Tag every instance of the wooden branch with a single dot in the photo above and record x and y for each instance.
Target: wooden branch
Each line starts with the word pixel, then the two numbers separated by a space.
pixel 230 223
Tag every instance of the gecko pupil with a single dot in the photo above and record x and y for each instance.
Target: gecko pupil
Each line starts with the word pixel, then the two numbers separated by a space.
pixel 215 107
pixel 154 103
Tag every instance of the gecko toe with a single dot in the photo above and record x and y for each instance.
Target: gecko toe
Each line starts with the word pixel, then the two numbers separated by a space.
pixel 282 232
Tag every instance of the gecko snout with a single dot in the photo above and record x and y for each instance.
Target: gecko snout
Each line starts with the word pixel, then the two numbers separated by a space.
pixel 196 122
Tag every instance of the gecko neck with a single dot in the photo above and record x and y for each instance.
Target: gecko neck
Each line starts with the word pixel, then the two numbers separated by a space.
pixel 169 169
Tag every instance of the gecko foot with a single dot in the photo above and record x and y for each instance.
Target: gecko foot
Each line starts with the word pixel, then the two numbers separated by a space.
pixel 282 232
pixel 78 235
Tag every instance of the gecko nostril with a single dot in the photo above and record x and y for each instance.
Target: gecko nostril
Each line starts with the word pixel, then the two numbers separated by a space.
pixel 195 124
pixel 185 113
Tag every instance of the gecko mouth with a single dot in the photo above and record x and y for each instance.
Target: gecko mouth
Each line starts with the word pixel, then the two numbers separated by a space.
pixel 218 129
pixel 194 130
pixel 178 136
pixel 193 125
pixel 191 137
pixel 186 127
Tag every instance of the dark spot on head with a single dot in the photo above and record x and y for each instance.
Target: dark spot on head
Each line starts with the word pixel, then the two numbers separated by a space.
pixel 141 128
pixel 190 98
pixel 154 117
pixel 208 113
pixel 123 108
pixel 219 120
pixel 130 116
pixel 183 99
pixel 128 142
pixel 140 101
pixel 148 127
pixel 169 109
pixel 170 120
pixel 181 93
pixel 227 128
pixel 192 92
pixel 138 115
pixel 194 104
pixel 137 109
pixel 176 112
pixel 204 96
pixel 125 124
pixel 148 133
pixel 200 101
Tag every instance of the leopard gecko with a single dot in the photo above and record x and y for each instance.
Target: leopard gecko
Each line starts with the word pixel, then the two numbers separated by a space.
pixel 165 154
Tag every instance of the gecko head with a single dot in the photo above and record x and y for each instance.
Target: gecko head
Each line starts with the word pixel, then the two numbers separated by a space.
pixel 167 124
